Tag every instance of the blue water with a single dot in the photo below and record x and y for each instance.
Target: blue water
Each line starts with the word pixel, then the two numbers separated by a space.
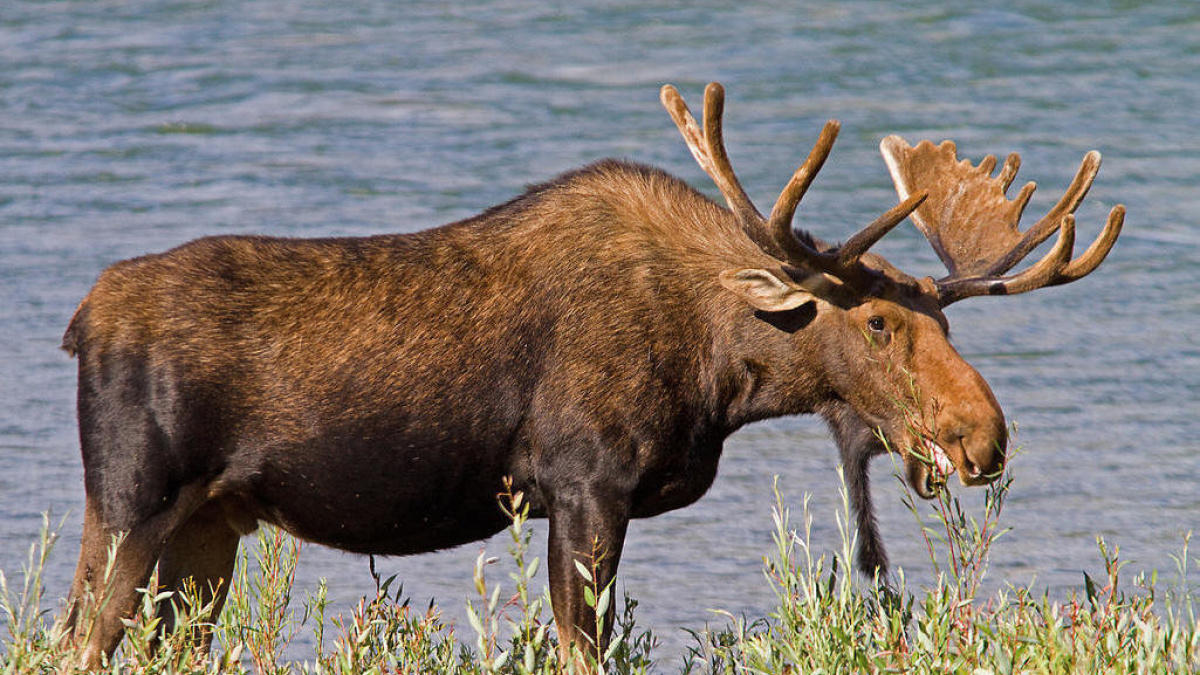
pixel 129 127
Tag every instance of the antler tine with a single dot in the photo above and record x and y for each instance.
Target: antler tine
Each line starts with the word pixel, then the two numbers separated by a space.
pixel 1097 252
pixel 852 250
pixel 780 222
pixel 714 111
pixel 1045 227
pixel 692 136
pixel 708 147
pixel 1009 172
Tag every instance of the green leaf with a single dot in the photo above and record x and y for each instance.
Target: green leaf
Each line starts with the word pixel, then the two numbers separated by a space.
pixel 612 650
pixel 602 603
pixel 474 619
pixel 925 642
pixel 583 571
pixel 494 600
pixel 1090 588
pixel 529 658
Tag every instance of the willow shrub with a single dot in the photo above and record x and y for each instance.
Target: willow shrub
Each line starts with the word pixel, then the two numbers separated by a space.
pixel 825 621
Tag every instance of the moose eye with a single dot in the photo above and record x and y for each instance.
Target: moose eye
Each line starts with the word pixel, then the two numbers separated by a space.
pixel 876 324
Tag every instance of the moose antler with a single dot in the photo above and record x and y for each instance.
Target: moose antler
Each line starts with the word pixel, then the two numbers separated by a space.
pixel 972 225
pixel 774 233
pixel 708 146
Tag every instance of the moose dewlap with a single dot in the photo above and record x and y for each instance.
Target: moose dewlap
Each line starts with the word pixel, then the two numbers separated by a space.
pixel 596 340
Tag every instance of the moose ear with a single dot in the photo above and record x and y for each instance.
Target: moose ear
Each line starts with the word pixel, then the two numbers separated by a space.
pixel 765 291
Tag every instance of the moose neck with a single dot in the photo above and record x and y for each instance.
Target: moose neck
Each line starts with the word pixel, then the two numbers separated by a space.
pixel 655 256
pixel 766 364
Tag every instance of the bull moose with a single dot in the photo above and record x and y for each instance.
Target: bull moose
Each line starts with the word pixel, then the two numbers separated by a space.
pixel 594 340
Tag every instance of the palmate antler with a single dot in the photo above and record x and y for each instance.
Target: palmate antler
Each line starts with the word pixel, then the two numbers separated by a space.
pixel 972 225
pixel 775 233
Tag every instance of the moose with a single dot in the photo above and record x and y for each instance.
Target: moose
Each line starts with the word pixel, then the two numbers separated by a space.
pixel 591 342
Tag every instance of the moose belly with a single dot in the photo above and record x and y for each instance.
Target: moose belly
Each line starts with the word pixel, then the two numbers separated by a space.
pixel 385 499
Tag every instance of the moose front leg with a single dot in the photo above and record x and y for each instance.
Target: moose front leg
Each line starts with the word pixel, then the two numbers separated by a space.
pixel 857 444
pixel 586 526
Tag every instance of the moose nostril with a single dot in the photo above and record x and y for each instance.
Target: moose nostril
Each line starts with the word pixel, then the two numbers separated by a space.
pixel 972 468
pixel 959 436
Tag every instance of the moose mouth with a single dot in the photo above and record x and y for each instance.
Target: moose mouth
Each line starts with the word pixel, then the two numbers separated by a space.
pixel 928 468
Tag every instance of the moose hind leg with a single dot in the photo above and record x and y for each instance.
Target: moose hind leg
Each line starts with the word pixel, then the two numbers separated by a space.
pixel 197 568
pixel 89 571
pixel 147 469
pixel 117 592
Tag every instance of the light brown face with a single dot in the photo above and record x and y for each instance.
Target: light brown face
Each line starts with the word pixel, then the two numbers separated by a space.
pixel 902 376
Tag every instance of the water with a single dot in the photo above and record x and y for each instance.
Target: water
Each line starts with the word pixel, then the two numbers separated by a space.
pixel 130 127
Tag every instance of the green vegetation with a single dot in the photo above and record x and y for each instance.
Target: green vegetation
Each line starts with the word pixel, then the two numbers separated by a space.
pixel 824 621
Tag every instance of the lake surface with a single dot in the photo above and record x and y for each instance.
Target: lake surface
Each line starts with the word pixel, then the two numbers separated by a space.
pixel 130 127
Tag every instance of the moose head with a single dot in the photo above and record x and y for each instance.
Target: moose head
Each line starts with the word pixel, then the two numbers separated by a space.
pixel 902 386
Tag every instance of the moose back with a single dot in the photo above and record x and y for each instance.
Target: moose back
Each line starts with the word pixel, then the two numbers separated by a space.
pixel 595 340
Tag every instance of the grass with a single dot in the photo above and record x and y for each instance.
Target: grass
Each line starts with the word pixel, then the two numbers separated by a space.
pixel 824 620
